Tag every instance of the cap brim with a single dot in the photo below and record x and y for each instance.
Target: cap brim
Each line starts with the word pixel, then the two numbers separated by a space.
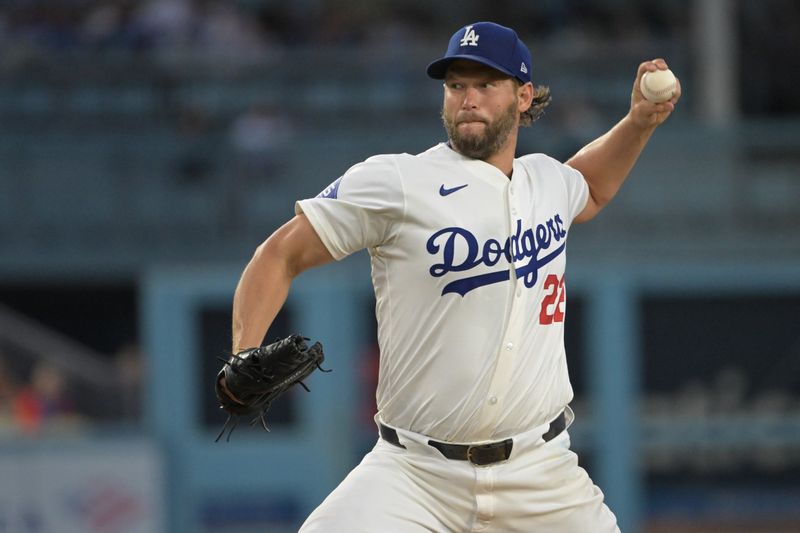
pixel 438 68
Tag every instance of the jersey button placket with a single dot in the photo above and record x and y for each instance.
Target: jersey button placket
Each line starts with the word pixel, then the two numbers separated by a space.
pixel 512 209
pixel 502 376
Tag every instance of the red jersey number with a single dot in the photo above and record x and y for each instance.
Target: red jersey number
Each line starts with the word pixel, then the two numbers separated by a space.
pixel 553 303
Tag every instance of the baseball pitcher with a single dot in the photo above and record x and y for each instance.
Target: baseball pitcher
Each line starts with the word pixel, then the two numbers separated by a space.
pixel 468 252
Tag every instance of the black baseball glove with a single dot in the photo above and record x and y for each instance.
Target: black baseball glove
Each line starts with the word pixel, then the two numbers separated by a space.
pixel 253 378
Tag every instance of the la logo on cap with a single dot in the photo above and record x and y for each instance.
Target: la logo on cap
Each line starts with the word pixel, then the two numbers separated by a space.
pixel 470 37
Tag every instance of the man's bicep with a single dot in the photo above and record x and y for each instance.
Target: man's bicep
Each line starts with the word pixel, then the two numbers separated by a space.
pixel 588 212
pixel 579 192
pixel 300 246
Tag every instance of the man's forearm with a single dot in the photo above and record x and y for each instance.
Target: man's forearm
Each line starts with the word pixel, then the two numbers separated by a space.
pixel 264 286
pixel 262 291
pixel 607 161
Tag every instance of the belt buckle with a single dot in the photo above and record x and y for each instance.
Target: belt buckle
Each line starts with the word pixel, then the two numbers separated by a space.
pixel 470 457
pixel 474 461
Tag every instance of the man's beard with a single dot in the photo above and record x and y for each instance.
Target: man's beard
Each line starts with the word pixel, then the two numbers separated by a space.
pixel 482 146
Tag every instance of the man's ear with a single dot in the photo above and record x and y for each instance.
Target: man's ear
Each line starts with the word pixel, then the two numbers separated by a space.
pixel 525 96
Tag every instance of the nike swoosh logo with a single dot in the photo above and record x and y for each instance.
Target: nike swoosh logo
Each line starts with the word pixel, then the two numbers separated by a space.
pixel 444 192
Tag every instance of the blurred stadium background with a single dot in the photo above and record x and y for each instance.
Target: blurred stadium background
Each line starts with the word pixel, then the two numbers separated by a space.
pixel 147 148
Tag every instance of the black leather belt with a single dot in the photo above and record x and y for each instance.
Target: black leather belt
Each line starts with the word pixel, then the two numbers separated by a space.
pixel 479 454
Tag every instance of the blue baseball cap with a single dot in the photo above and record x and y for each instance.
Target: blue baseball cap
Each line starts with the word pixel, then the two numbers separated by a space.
pixel 490 44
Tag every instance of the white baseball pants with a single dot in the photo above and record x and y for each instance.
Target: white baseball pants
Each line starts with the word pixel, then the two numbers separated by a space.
pixel 540 489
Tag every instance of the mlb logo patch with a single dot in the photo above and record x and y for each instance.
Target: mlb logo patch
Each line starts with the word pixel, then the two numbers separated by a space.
pixel 331 191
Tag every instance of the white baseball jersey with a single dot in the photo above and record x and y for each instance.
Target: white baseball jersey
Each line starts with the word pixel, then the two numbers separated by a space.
pixel 468 272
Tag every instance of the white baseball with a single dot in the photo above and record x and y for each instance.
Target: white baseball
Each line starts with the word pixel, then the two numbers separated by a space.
pixel 658 86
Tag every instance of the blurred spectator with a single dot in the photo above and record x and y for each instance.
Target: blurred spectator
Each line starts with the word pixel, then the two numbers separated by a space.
pixel 44 403
pixel 259 137
pixel 166 24
pixel 4 29
pixel 226 35
pixel 195 160
pixel 239 31
pixel 7 392
pixel 129 364
pixel 108 26
pixel 368 366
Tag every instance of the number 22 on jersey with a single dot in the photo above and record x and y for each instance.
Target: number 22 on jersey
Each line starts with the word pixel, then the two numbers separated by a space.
pixel 553 302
